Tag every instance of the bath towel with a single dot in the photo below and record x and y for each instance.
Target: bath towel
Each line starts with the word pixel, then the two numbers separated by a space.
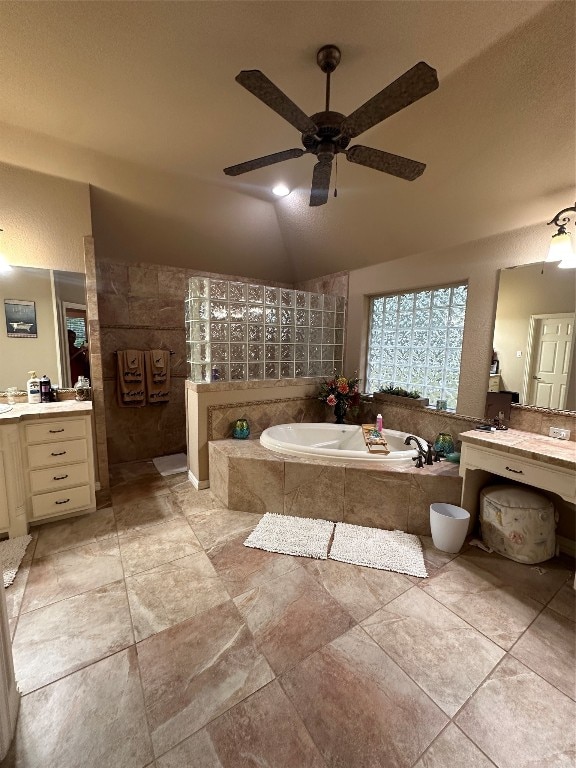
pixel 157 363
pixel 130 378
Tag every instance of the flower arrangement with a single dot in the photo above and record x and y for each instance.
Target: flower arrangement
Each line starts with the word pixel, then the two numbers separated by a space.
pixel 341 392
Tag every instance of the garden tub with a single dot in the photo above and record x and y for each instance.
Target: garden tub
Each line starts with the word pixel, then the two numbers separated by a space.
pixel 335 441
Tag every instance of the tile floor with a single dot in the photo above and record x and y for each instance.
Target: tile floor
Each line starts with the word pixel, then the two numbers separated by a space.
pixel 145 635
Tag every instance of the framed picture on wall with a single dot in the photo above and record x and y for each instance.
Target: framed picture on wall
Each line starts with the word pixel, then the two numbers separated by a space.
pixel 20 319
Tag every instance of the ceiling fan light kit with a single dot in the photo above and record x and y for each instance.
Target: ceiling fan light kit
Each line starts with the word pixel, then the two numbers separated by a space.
pixel 327 134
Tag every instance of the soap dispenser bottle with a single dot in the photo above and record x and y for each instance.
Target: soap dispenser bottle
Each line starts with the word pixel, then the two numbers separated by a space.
pixel 33 388
pixel 45 389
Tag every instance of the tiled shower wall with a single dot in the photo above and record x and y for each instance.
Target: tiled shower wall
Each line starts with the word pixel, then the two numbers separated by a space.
pixel 141 306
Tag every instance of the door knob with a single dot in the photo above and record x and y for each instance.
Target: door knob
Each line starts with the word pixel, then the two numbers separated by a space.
pixel 537 378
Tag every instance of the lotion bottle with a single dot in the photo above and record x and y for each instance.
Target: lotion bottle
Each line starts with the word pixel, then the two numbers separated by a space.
pixel 379 422
pixel 33 388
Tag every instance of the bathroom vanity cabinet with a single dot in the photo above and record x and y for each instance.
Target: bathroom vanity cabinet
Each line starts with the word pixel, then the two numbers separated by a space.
pixel 46 463
pixel 523 457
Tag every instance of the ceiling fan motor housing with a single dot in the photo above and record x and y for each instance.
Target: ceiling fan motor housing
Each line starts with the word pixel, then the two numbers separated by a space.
pixel 327 140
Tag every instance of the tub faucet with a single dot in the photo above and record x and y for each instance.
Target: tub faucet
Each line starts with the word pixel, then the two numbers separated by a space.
pixel 422 454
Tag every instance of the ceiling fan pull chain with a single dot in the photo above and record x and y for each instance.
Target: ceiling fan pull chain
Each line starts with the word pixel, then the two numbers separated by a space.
pixel 336 177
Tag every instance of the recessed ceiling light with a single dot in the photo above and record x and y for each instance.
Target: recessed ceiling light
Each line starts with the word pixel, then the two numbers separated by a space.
pixel 281 190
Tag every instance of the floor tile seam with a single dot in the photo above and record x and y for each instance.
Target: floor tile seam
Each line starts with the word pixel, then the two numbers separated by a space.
pixel 469 625
pixel 215 718
pixel 137 573
pixel 207 547
pixel 506 584
pixel 525 630
pixel 403 671
pixel 448 724
pixel 144 707
pixel 146 526
pixel 570 581
pixel 541 676
pixel 301 720
pixel 78 669
pixel 143 496
pixel 268 581
pixel 559 613
pixel 472 695
pixel 70 597
pixel 188 618
pixel 113 536
pixel 21 602
pixel 168 562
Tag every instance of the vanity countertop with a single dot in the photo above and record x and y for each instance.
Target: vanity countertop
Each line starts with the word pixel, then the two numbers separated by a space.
pixel 550 450
pixel 26 411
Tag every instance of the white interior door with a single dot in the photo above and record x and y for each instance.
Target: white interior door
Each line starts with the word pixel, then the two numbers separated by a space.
pixel 552 339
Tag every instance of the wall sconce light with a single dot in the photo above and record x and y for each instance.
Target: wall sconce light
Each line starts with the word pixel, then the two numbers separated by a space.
pixel 561 246
pixel 4 265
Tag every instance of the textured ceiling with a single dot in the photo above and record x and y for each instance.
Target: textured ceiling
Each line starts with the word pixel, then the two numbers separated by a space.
pixel 152 83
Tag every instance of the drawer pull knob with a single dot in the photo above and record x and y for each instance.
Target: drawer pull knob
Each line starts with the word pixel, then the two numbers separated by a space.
pixel 54 431
pixel 58 453
pixel 60 477
pixel 62 502
pixel 516 471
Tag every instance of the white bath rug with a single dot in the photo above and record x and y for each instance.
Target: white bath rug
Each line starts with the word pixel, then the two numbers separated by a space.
pixel 11 554
pixel 376 548
pixel 171 465
pixel 292 536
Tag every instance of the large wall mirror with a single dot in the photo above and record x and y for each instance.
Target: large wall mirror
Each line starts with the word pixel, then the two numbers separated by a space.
pixel 43 326
pixel 533 335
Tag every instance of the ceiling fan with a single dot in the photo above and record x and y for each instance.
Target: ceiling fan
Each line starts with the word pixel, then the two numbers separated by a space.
pixel 328 133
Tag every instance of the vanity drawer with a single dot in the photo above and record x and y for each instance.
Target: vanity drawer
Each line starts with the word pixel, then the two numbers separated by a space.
pixel 521 470
pixel 64 476
pixel 54 454
pixel 54 429
pixel 60 502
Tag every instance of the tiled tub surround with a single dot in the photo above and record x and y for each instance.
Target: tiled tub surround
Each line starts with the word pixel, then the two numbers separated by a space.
pixel 202 652
pixel 245 476
pixel 212 408
pixel 533 422
pixel 253 332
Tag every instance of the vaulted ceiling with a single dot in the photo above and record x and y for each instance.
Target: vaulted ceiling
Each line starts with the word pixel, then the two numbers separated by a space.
pixel 142 98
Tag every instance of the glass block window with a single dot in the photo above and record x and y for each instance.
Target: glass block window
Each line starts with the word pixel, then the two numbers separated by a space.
pixel 415 342
pixel 237 331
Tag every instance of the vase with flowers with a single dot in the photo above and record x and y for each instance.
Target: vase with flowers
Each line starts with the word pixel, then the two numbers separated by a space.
pixel 341 393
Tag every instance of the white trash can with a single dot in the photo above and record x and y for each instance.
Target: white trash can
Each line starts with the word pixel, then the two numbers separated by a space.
pixel 449 525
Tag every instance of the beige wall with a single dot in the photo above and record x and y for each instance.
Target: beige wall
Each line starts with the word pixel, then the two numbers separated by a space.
pixel 18 356
pixel 44 219
pixel 477 262
pixel 526 291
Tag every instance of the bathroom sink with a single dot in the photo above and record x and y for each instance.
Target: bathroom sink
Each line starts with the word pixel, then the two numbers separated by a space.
pixel 5 408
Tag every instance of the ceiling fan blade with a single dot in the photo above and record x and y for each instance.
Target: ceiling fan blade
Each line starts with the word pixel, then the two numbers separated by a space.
pixel 264 89
pixel 262 162
pixel 320 183
pixel 408 88
pixel 396 165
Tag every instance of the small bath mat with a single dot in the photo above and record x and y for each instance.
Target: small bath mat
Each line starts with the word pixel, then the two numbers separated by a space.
pixel 292 536
pixel 376 548
pixel 11 554
pixel 171 465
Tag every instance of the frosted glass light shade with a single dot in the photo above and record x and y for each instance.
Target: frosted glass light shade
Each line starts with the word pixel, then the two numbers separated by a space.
pixel 560 248
pixel 4 265
pixel 568 262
